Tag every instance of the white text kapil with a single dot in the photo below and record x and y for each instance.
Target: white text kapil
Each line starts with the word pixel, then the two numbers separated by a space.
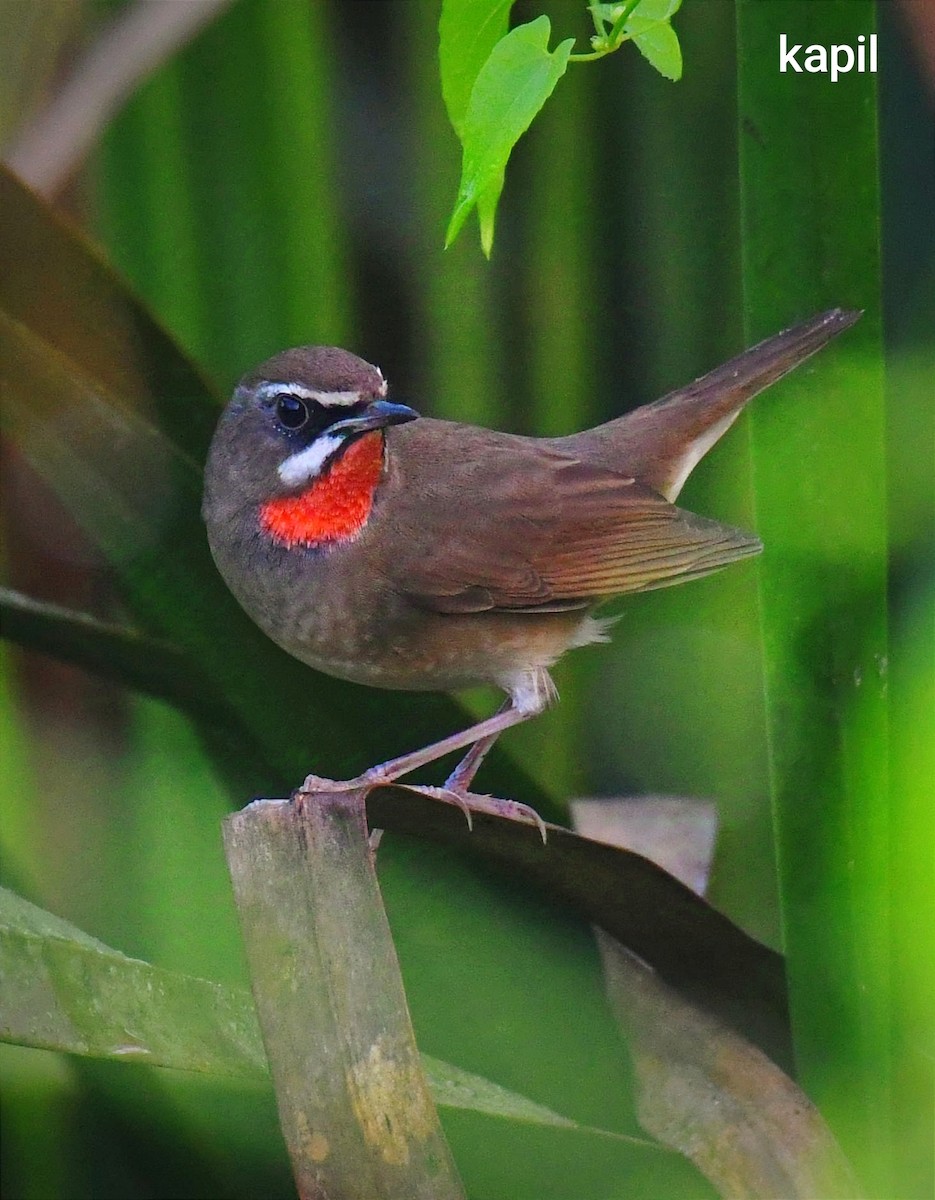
pixel 828 60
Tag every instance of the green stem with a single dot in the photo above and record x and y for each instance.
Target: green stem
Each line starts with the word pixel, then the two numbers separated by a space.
pixel 617 27
pixel 612 40
pixel 595 54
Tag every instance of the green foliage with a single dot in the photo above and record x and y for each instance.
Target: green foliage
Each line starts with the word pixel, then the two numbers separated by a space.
pixel 468 31
pixel 647 25
pixel 494 84
pixel 511 87
pixel 67 991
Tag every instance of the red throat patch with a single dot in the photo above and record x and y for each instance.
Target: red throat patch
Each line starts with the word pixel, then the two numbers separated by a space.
pixel 336 506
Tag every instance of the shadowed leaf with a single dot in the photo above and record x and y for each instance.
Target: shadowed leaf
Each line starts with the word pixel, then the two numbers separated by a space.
pixel 709 1093
pixel 114 652
pixel 692 946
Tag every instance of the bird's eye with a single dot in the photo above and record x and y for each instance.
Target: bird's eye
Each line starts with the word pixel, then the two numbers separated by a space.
pixel 291 412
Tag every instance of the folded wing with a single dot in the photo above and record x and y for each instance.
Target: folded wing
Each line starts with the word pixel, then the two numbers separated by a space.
pixel 553 532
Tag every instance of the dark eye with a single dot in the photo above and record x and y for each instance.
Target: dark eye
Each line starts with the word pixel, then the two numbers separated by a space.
pixel 291 412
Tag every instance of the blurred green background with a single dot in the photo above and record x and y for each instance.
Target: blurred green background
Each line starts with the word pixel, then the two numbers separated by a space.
pixel 286 178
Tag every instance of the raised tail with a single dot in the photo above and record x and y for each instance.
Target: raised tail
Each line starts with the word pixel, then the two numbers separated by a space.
pixel 661 443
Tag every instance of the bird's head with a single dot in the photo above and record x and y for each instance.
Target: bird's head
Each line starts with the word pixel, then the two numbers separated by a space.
pixel 301 444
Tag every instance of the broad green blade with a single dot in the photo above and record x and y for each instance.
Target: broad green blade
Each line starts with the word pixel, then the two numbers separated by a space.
pixel 64 990
pixel 810 221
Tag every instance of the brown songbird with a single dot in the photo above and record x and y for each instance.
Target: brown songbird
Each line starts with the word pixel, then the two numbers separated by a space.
pixel 404 552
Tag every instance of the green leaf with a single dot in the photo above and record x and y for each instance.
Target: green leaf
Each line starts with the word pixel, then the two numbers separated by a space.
pixel 514 83
pixel 659 45
pixel 487 212
pixel 64 990
pixel 655 10
pixel 468 30
pixel 648 26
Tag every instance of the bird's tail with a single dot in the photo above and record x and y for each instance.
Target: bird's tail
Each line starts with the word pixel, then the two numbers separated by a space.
pixel 660 443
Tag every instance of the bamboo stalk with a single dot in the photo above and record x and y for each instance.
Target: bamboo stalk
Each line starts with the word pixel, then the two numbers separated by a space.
pixel 354 1106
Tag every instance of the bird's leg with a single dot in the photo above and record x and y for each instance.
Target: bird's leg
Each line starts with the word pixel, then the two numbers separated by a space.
pixel 485 732
pixel 462 776
pixel 479 737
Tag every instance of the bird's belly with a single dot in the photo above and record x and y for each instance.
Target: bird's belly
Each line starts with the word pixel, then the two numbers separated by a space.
pixel 352 625
pixel 424 651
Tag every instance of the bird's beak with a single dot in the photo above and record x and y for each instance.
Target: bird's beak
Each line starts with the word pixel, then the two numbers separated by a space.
pixel 376 415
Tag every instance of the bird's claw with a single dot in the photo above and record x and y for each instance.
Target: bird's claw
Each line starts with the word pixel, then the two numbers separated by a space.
pixel 468 802
pixel 472 802
pixel 316 784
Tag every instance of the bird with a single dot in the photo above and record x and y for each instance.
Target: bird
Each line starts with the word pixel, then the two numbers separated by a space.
pixel 411 553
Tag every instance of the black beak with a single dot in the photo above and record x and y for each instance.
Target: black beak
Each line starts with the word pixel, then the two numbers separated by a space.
pixel 376 415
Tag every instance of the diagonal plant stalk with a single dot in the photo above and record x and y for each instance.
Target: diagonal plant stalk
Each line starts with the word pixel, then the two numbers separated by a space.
pixel 116 652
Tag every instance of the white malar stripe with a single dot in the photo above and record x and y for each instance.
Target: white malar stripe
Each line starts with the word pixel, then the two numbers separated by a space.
pixel 304 393
pixel 305 465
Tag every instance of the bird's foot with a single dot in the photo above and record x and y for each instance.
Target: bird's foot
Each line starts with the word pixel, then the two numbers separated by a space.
pixel 468 802
pixel 472 802
pixel 316 784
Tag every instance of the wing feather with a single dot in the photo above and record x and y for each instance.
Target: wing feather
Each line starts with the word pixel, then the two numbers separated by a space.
pixel 538 530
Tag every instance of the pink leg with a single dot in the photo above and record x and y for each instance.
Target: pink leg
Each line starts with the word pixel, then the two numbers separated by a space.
pixel 462 776
pixel 396 768
pixel 479 737
pixel 486 731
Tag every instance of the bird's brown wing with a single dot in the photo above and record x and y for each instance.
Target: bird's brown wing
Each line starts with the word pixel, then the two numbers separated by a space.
pixel 523 527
